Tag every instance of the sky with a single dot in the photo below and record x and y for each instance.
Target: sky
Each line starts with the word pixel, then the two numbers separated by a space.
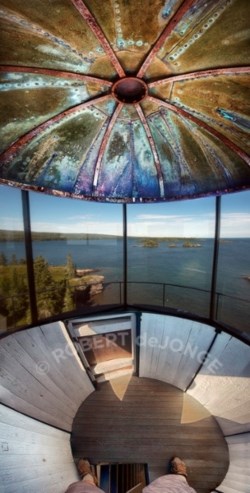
pixel 189 218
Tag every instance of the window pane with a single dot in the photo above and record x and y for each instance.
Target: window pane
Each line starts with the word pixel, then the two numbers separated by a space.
pixel 14 299
pixel 77 248
pixel 233 283
pixel 170 253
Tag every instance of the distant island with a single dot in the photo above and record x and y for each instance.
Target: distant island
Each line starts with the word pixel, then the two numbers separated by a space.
pixel 149 242
pixel 190 244
pixel 172 242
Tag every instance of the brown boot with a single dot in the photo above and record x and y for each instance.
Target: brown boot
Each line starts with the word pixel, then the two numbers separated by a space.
pixel 177 466
pixel 84 468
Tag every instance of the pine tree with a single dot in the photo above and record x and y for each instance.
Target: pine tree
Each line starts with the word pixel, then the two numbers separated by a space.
pixel 4 293
pixel 70 267
pixel 13 259
pixel 68 299
pixel 3 259
pixel 17 301
pixel 44 288
pixel 49 294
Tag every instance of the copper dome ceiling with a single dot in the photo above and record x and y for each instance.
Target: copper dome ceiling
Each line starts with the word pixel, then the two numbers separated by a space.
pixel 125 100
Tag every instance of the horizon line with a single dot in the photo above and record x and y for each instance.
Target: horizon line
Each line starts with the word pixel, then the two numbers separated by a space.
pixel 120 235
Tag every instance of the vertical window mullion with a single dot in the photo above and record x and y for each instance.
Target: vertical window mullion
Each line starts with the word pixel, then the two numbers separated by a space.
pixel 29 255
pixel 213 303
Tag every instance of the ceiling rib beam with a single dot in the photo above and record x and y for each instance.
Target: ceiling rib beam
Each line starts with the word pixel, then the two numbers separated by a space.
pixel 104 143
pixel 92 23
pixel 153 148
pixel 181 112
pixel 200 74
pixel 52 73
pixel 184 7
pixel 15 147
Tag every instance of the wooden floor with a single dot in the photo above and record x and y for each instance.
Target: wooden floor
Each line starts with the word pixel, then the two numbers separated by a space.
pixel 150 423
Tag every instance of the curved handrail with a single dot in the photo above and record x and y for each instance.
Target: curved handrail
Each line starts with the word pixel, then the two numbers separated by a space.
pixel 120 301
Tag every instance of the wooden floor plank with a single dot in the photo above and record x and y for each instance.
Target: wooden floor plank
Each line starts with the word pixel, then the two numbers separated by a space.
pixel 153 422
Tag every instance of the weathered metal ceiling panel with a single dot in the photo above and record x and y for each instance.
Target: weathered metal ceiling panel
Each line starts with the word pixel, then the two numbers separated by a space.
pixel 125 100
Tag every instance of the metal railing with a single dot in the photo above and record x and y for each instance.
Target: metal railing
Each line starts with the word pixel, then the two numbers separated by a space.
pixel 229 309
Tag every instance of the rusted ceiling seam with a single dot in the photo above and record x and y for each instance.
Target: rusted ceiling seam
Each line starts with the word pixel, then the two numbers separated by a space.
pixel 243 155
pixel 200 74
pixel 14 148
pixel 92 23
pixel 153 148
pixel 52 73
pixel 24 22
pixel 166 32
pixel 104 143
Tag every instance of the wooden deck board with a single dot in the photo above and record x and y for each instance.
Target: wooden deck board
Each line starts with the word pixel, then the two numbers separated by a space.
pixel 153 422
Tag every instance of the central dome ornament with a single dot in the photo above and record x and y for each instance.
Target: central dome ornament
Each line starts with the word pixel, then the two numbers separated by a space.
pixel 129 90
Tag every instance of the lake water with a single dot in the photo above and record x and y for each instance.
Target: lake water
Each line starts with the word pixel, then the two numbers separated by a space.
pixel 162 264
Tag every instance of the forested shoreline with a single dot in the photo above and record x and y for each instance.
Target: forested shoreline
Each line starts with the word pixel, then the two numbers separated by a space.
pixel 58 288
pixel 15 235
